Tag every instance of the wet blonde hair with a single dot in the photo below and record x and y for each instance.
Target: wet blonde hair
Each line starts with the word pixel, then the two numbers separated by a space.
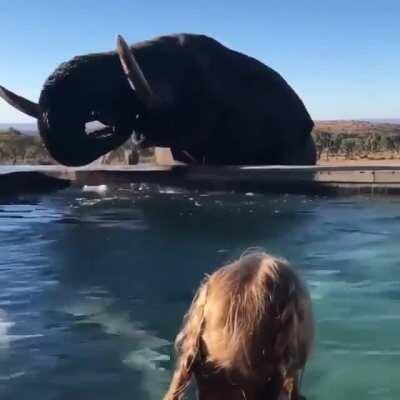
pixel 251 319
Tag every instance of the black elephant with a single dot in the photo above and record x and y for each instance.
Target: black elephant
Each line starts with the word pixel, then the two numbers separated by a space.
pixel 208 103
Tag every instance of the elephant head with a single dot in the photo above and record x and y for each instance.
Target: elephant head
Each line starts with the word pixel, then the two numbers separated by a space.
pixel 88 88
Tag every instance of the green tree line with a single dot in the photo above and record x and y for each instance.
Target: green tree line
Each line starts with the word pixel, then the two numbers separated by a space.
pixel 353 147
pixel 18 148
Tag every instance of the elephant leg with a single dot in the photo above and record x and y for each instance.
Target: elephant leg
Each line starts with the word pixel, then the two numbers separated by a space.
pixel 296 145
pixel 303 153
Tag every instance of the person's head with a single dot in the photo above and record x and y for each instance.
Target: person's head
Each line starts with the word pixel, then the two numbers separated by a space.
pixel 250 320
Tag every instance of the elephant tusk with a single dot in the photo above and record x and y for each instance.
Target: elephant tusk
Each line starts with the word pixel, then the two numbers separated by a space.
pixel 20 103
pixel 134 74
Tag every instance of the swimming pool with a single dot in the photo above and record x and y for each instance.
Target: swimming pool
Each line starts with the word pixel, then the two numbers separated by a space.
pixel 93 285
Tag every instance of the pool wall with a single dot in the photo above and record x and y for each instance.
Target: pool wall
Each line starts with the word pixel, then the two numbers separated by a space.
pixel 277 179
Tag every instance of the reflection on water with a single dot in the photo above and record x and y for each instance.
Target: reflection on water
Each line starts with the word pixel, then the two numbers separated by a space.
pixel 93 285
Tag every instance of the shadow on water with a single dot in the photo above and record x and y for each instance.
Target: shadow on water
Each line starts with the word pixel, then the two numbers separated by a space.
pixel 156 244
pixel 14 183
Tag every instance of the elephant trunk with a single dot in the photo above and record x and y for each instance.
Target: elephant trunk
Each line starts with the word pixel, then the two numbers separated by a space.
pixel 88 88
pixel 68 142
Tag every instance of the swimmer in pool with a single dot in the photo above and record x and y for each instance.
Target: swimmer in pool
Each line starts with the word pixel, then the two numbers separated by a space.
pixel 247 335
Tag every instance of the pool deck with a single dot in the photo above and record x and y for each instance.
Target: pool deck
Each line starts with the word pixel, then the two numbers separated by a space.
pixel 282 179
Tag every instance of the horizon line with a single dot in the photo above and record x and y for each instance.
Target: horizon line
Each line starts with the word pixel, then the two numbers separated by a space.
pixel 366 119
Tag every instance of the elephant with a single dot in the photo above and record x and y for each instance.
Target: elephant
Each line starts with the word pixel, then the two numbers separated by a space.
pixel 208 103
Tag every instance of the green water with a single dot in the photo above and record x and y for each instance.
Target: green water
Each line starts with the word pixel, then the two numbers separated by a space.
pixel 93 286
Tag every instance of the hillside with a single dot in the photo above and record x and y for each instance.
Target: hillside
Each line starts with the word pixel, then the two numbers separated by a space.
pixel 357 128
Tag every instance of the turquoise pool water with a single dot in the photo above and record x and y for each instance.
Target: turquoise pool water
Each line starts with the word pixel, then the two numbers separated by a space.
pixel 93 286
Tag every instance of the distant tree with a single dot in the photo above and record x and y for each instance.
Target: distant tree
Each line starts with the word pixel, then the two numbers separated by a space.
pixel 322 141
pixel 3 153
pixel 396 143
pixel 335 144
pixel 12 152
pixel 32 154
pixel 349 147
pixel 361 147
pixel 373 143
pixel 387 145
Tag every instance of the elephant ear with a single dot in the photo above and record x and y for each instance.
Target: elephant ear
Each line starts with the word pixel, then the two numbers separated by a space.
pixel 20 103
pixel 134 73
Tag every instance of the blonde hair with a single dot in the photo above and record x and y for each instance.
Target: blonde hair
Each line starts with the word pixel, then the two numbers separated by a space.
pixel 251 318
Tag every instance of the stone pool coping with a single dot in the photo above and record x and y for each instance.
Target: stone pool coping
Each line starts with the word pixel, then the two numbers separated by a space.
pixel 279 179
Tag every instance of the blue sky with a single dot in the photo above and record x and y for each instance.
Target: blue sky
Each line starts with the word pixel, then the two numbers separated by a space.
pixel 342 57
